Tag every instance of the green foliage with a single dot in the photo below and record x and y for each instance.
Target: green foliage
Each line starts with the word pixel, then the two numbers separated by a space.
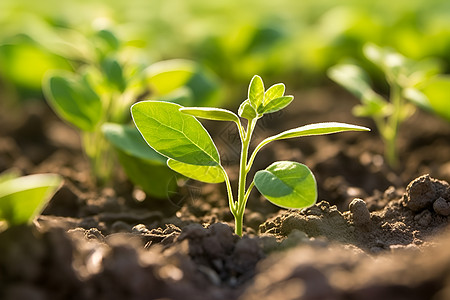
pixel 436 94
pixel 174 131
pixel 23 198
pixel 287 184
pixel 100 91
pixel 144 168
pixel 73 99
pixel 411 82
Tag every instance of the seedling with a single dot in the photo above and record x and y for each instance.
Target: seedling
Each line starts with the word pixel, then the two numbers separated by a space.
pixel 22 198
pixel 174 131
pixel 405 78
pixel 93 98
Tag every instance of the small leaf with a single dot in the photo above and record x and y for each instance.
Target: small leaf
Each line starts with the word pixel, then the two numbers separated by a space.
pixel 247 111
pixel 112 70
pixel 275 91
pixel 210 113
pixel 209 174
pixel 287 184
pixel 22 198
pixel 316 129
pixel 256 92
pixel 276 104
pixel 73 100
pixel 351 77
pixel 174 134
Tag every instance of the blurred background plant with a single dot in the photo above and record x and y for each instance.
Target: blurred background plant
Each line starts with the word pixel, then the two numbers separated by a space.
pixel 96 96
pixel 418 82
pixel 286 39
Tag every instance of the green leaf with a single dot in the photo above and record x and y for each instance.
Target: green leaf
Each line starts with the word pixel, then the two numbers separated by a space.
pixel 167 76
pixel 22 198
pixel 154 178
pixel 73 100
pixel 316 129
pixel 247 111
pixel 109 38
pixel 112 70
pixel 276 105
pixel 287 184
pixel 256 92
pixel 211 113
pixel 437 92
pixel 128 139
pixel 209 174
pixel 174 134
pixel 275 91
pixel 143 165
pixel 351 77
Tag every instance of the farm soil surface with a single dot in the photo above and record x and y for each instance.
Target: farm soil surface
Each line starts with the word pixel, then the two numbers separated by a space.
pixel 375 233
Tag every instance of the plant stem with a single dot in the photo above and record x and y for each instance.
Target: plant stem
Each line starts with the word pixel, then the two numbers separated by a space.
pixel 100 155
pixel 239 212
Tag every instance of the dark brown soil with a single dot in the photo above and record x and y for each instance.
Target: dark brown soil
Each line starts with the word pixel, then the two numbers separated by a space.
pixel 375 233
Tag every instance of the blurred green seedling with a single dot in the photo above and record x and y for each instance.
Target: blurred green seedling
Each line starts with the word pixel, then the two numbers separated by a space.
pixel 174 131
pixel 23 198
pixel 410 82
pixel 95 98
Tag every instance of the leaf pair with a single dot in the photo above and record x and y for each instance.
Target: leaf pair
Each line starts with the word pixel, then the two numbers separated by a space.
pixel 262 101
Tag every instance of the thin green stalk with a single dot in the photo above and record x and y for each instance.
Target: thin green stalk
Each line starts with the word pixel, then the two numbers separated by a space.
pixel 242 177
pixel 230 193
pixel 100 155
pixel 247 194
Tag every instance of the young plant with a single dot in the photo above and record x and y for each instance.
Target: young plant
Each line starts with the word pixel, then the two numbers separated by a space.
pixel 174 131
pixel 93 99
pixel 404 76
pixel 23 198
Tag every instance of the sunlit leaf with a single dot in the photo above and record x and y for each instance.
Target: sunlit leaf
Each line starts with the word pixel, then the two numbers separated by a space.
pixel 275 91
pixel 247 111
pixel 317 129
pixel 209 174
pixel 256 92
pixel 174 134
pixel 211 113
pixel 276 105
pixel 351 77
pixel 22 198
pixel 287 184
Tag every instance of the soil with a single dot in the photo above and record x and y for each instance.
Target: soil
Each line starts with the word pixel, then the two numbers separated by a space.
pixel 375 233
